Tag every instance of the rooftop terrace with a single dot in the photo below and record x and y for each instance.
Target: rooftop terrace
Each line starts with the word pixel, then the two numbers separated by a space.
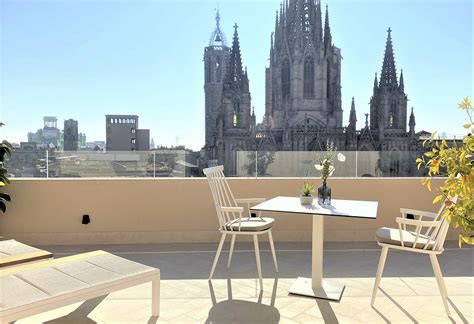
pixel 408 291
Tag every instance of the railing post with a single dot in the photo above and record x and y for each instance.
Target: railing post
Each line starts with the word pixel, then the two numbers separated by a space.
pixel 154 168
pixel 47 163
pixel 357 162
pixel 256 164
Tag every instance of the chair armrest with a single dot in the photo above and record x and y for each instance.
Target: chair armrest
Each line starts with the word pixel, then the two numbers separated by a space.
pixel 421 213
pixel 232 209
pixel 249 200
pixel 416 222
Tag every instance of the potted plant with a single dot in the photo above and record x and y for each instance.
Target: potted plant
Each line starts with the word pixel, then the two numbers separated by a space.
pixel 5 151
pixel 456 163
pixel 306 197
pixel 326 166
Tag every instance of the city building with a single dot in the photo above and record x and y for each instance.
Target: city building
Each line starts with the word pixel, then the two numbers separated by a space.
pixel 123 134
pixel 50 130
pixel 303 109
pixel 49 134
pixel 71 135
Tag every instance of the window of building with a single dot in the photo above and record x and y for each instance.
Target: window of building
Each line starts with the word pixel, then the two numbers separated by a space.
pixel 285 78
pixel 133 141
pixel 308 84
pixel 133 130
pixel 235 119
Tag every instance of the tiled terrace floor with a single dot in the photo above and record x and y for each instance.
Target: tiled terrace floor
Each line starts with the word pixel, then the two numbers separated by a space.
pixel 408 293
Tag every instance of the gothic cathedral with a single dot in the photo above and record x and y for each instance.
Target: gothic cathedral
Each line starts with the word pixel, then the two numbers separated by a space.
pixel 303 107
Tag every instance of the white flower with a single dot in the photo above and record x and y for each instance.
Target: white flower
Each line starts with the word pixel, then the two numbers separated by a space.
pixel 341 157
pixel 331 170
pixel 318 167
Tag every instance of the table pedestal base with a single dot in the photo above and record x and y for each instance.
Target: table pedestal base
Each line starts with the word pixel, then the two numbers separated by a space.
pixel 331 290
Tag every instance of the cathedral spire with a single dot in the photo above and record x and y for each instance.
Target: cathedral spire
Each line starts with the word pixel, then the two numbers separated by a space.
pixel 234 68
pixel 327 32
pixel 389 73
pixel 352 117
pixel 402 84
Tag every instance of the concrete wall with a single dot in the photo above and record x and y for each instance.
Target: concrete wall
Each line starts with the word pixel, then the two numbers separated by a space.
pixel 181 210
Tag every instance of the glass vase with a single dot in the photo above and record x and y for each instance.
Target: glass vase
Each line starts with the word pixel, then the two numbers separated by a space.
pixel 324 194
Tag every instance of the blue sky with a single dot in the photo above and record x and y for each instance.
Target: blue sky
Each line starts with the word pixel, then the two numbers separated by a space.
pixel 83 59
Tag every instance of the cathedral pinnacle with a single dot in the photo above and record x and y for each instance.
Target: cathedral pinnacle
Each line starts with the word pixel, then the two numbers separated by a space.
pixel 389 73
pixel 352 117
pixel 402 85
pixel 217 37
pixel 412 123
pixel 327 32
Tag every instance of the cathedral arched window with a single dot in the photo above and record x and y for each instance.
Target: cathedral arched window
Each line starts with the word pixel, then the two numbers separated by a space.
pixel 236 111
pixel 285 79
pixel 308 83
pixel 218 69
pixel 392 121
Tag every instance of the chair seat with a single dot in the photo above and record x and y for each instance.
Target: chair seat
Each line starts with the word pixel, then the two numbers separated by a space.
pixel 252 224
pixel 392 236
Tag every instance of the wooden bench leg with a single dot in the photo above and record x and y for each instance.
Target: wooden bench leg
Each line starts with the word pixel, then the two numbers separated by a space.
pixel 155 296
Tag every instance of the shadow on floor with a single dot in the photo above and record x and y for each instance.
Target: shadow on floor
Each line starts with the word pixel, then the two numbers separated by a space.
pixel 341 260
pixel 80 314
pixel 241 311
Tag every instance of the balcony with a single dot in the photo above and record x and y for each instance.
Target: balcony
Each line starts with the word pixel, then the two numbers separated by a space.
pixel 171 224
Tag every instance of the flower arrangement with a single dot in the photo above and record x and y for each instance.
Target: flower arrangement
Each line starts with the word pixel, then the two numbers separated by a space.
pixel 456 163
pixel 326 161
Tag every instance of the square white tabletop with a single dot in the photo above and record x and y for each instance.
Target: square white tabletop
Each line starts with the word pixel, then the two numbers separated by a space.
pixel 338 207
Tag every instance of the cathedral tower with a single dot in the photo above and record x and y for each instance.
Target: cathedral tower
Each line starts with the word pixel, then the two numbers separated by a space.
pixel 303 81
pixel 216 55
pixel 388 105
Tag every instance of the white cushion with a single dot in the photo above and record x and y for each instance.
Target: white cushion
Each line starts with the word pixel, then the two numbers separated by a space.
pixel 392 236
pixel 252 224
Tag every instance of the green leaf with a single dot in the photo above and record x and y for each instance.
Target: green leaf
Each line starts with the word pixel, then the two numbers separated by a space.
pixel 418 160
pixel 467 126
pixel 437 199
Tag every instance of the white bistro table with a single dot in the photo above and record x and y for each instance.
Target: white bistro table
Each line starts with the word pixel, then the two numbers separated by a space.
pixel 316 286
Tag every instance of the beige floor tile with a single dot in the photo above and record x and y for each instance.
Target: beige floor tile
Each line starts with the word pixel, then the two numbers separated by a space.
pixel 306 318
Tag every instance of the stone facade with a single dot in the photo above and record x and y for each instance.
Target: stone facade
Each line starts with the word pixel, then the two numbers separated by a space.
pixel 71 135
pixel 303 107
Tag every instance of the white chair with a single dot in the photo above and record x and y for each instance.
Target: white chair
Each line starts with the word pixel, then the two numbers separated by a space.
pixel 427 237
pixel 232 221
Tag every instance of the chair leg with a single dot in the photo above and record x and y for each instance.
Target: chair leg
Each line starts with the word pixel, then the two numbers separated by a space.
pixel 257 257
pixel 440 280
pixel 216 258
pixel 378 276
pixel 232 242
pixel 272 246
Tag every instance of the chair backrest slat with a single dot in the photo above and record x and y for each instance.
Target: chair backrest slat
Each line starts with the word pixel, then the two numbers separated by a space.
pixel 438 234
pixel 221 194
